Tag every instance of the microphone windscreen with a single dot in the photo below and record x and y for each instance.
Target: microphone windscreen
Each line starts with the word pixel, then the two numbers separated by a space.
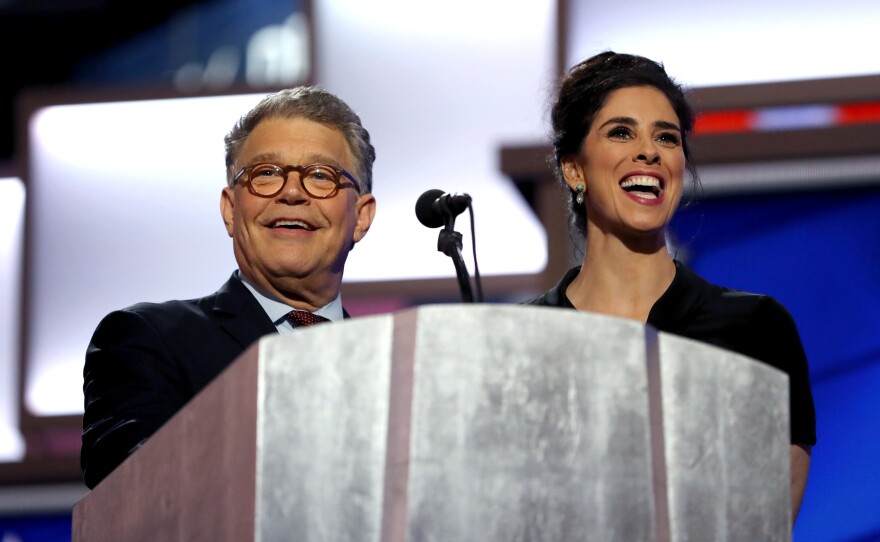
pixel 426 210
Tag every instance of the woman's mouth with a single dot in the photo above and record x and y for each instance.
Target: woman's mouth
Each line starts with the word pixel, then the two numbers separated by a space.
pixel 643 186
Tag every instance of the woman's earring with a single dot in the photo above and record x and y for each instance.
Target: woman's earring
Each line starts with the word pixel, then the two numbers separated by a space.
pixel 580 194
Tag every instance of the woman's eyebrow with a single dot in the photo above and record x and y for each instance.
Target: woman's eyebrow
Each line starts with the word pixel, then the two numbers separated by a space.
pixel 629 121
pixel 667 125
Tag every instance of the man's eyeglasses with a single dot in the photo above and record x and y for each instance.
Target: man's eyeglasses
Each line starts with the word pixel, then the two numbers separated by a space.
pixel 319 181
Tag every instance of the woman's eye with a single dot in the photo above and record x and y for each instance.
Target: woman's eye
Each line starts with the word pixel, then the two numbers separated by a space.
pixel 669 138
pixel 620 132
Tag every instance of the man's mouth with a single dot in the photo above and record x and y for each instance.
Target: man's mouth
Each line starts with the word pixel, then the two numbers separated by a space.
pixel 292 225
pixel 643 186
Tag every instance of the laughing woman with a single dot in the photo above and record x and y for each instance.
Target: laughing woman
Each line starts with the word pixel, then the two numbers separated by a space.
pixel 620 128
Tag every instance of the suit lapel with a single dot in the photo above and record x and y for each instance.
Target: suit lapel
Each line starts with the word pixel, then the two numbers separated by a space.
pixel 239 314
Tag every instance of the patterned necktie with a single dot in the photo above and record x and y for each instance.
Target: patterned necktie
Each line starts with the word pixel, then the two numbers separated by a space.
pixel 304 318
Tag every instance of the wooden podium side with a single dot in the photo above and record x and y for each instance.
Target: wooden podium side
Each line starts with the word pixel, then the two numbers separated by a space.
pixel 193 480
pixel 464 422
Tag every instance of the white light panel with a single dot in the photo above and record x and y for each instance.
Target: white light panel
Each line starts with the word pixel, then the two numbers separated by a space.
pixel 11 234
pixel 709 43
pixel 126 195
pixel 442 86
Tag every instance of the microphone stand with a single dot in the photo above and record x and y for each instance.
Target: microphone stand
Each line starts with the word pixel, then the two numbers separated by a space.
pixel 449 243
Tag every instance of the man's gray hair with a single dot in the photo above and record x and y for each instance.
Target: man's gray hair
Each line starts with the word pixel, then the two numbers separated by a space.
pixel 310 103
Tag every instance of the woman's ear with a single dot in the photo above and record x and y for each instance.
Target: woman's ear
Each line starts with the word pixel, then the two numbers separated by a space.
pixel 572 173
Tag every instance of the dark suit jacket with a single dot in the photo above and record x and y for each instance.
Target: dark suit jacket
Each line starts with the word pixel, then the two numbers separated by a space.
pixel 145 362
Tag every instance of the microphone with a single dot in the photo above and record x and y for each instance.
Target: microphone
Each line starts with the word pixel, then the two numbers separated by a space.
pixel 435 206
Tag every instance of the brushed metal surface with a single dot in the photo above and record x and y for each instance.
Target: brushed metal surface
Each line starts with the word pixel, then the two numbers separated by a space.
pixel 529 424
pixel 507 423
pixel 322 432
pixel 726 426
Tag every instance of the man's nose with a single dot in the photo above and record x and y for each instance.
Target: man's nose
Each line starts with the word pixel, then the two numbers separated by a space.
pixel 293 190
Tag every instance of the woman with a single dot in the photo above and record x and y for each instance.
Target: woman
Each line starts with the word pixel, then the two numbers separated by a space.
pixel 620 138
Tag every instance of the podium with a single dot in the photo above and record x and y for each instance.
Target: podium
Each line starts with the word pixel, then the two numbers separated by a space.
pixel 464 423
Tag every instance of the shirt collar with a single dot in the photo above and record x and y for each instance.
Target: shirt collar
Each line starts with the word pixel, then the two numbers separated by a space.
pixel 675 307
pixel 557 297
pixel 671 311
pixel 277 310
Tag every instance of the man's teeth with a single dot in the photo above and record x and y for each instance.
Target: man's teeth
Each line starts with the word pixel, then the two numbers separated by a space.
pixel 647 185
pixel 294 224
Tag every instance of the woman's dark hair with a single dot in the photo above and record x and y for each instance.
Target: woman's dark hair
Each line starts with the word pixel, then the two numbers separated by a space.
pixel 584 91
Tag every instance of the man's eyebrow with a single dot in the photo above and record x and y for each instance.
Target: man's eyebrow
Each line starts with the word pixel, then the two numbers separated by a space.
pixel 265 157
pixel 313 158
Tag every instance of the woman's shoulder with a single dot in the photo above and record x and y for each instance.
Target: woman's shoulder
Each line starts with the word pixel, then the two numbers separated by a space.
pixel 761 327
pixel 555 297
pixel 756 309
pixel 754 324
pixel 717 301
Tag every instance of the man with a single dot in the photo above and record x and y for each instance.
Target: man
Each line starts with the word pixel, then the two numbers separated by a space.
pixel 299 175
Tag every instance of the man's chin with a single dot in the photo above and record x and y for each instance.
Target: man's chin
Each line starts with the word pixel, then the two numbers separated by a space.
pixel 293 274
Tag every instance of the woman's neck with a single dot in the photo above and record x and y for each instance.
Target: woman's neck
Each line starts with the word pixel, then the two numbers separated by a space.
pixel 619 281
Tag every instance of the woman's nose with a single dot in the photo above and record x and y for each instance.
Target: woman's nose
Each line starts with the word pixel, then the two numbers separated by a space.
pixel 649 155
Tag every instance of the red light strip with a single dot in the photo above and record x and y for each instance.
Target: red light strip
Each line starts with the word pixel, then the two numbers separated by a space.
pixel 744 120
pixel 858 113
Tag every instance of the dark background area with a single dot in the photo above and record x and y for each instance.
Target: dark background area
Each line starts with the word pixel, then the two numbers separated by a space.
pixel 46 42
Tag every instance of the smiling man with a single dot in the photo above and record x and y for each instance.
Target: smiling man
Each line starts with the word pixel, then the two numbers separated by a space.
pixel 298 198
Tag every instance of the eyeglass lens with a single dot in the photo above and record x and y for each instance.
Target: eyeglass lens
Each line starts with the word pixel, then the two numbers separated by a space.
pixel 317 179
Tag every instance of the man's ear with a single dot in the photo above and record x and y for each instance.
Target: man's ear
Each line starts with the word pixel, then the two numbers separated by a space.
pixel 227 208
pixel 365 210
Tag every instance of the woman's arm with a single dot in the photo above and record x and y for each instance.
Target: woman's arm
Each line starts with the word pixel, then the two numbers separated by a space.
pixel 800 468
pixel 781 347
